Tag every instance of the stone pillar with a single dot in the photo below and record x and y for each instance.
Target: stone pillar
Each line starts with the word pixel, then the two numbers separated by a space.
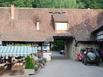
pixel 72 50
pixel 66 49
pixel 40 48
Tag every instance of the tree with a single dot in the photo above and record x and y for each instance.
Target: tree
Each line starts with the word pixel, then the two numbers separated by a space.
pixel 97 4
pixel 94 4
pixel 40 3
pixel 22 3
pixel 58 45
pixel 18 3
pixel 58 3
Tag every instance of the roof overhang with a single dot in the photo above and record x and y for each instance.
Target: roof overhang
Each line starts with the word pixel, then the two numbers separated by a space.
pixel 97 29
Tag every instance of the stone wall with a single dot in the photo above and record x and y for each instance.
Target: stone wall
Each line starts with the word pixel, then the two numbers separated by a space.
pixel 69 49
pixel 72 49
pixel 83 45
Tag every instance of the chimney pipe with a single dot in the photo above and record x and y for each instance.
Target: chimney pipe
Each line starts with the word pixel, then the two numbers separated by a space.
pixel 12 11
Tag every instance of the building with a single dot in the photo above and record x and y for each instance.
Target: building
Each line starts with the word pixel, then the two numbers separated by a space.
pixel 77 27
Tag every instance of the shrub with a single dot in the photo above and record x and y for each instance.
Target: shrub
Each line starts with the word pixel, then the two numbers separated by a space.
pixel 29 63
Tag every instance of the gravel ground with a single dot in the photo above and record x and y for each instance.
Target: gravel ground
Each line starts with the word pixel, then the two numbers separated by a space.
pixel 69 68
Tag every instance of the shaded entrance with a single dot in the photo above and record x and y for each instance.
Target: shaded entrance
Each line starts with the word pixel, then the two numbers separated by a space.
pixel 66 42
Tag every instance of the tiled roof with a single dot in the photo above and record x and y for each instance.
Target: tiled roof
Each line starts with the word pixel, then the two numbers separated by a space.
pixel 23 28
pixel 60 18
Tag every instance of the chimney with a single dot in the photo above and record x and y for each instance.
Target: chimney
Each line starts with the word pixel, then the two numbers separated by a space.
pixel 12 11
pixel 37 26
pixel 88 8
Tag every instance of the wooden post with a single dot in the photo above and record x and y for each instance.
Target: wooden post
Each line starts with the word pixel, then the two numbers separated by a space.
pixel 50 47
pixel 41 48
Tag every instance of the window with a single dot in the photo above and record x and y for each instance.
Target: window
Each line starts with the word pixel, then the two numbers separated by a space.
pixel 46 46
pixel 61 27
pixel 37 25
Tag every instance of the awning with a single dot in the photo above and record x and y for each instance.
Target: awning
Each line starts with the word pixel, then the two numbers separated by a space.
pixel 17 50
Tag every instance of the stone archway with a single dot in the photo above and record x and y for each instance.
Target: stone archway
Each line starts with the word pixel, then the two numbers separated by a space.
pixel 68 43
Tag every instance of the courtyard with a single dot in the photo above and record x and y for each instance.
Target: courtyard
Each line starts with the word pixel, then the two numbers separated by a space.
pixel 65 68
pixel 69 68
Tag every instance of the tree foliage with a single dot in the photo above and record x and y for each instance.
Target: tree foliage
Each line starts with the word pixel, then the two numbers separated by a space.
pixel 58 45
pixel 58 3
pixel 40 3
pixel 53 3
pixel 94 4
pixel 18 3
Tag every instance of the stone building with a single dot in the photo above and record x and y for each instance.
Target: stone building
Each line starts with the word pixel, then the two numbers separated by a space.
pixel 79 28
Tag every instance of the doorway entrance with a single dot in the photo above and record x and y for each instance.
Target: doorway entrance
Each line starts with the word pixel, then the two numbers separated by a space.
pixel 61 47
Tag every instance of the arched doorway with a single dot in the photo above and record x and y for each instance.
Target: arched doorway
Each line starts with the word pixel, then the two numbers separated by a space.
pixel 61 46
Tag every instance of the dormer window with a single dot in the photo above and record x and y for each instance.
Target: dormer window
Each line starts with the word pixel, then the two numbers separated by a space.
pixel 37 22
pixel 60 23
pixel 61 26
